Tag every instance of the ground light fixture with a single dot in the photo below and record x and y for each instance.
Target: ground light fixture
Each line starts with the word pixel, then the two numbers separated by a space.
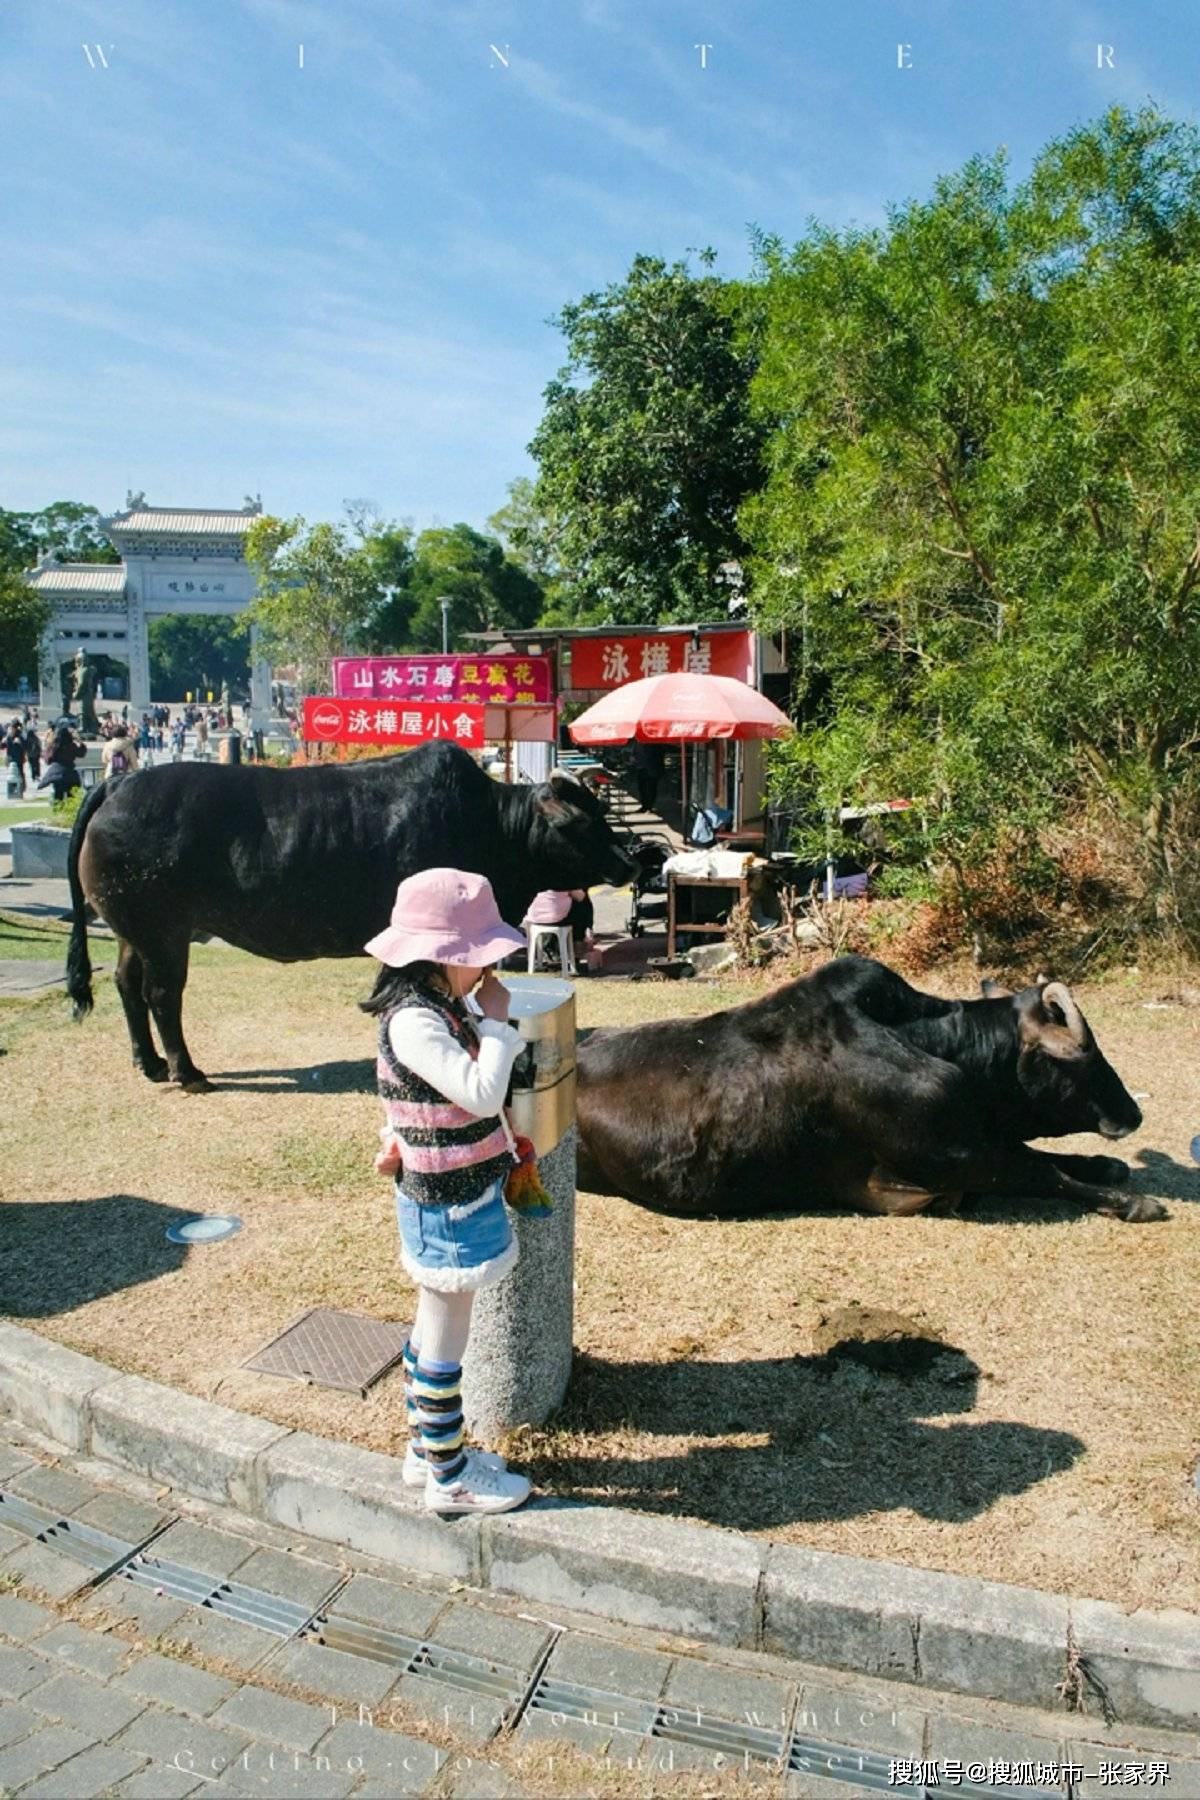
pixel 203 1228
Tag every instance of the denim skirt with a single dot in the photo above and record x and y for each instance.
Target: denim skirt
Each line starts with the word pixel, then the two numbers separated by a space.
pixel 457 1248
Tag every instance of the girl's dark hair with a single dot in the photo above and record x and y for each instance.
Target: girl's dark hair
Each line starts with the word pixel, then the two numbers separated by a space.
pixel 391 984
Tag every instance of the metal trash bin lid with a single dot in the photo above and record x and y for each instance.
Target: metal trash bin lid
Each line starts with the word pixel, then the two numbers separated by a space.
pixel 543 1011
pixel 543 1091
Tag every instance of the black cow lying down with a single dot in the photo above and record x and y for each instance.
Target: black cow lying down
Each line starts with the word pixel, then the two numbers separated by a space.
pixel 852 1087
pixel 300 863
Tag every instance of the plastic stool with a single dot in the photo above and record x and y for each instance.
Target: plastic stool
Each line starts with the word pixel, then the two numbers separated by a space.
pixel 566 954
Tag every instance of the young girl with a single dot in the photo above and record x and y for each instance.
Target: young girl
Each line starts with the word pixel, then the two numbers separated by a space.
pixel 443 1076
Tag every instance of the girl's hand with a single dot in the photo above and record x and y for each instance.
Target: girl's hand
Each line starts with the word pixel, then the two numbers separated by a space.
pixel 492 996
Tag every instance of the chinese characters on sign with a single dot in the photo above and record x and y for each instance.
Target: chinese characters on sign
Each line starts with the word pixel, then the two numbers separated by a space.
pixel 195 587
pixel 479 680
pixel 607 662
pixel 338 721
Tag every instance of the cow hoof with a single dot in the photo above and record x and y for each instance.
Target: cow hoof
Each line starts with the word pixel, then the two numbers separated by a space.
pixel 153 1071
pixel 197 1084
pixel 1140 1209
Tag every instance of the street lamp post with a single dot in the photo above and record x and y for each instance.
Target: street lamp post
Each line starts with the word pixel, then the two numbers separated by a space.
pixel 445 603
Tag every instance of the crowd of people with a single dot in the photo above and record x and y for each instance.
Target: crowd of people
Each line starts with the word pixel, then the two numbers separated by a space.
pixel 38 757
pixel 46 759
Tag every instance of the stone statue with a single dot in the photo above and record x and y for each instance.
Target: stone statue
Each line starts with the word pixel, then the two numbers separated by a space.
pixel 83 694
pixel 225 704
pixel 134 502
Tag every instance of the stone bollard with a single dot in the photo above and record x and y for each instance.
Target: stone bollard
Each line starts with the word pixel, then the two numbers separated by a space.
pixel 518 1361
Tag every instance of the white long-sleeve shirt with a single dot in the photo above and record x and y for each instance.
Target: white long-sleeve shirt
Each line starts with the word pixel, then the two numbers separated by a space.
pixel 423 1042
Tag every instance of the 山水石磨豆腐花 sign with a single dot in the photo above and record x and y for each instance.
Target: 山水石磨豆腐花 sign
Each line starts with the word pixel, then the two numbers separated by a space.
pixel 477 680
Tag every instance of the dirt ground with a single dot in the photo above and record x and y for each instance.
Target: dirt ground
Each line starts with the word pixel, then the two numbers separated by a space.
pixel 1045 1433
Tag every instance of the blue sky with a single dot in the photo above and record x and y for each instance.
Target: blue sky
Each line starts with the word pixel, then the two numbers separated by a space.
pixel 225 273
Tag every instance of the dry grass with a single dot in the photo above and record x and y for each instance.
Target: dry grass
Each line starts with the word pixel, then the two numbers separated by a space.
pixel 1054 1449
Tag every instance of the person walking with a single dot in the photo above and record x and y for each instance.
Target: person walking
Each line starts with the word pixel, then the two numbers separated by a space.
pixel 15 754
pixel 648 763
pixel 119 756
pixel 63 750
pixel 33 750
pixel 443 1074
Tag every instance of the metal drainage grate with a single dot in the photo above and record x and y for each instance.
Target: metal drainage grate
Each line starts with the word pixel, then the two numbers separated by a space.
pixel 333 1349
pixel 595 1706
pixel 415 1656
pixel 652 1719
pixel 97 1549
pixel 231 1599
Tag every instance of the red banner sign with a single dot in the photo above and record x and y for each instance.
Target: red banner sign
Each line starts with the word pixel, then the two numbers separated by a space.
pixel 337 721
pixel 479 680
pixel 608 662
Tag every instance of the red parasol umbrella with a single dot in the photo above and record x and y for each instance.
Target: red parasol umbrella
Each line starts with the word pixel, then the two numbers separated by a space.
pixel 680 709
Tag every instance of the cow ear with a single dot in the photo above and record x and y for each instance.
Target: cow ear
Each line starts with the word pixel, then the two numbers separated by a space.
pixel 553 802
pixel 993 990
pixel 1041 1027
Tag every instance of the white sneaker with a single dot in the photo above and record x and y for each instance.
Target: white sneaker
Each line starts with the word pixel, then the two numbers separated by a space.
pixel 476 1488
pixel 416 1468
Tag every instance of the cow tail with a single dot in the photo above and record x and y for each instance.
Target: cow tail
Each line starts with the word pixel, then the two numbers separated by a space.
pixel 79 967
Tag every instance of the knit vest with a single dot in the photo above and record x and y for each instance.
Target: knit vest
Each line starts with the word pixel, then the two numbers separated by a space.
pixel 450 1156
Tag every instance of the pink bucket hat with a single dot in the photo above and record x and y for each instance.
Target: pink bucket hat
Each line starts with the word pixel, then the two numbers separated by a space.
pixel 445 916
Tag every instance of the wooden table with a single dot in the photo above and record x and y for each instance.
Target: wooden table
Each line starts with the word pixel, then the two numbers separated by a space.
pixel 737 884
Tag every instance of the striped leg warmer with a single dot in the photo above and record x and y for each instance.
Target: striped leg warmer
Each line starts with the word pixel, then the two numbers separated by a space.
pixel 437 1391
pixel 410 1400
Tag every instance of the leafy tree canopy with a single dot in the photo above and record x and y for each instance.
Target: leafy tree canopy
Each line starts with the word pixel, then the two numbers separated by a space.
pixel 647 448
pixel 317 589
pixel 982 513
pixel 68 528
pixel 193 654
pixel 24 615
pixel 488 590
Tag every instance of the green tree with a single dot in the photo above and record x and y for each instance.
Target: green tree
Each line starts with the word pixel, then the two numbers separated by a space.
pixel 317 590
pixel 532 538
pixel 488 590
pixel 982 516
pixel 24 615
pixel 193 654
pixel 647 447
pixel 389 549
pixel 71 531
pixel 66 527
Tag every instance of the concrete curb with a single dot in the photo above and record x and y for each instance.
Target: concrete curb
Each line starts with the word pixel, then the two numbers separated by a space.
pixel 977 1638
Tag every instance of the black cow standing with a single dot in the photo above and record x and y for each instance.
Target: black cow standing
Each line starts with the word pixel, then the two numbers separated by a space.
pixel 851 1087
pixel 300 863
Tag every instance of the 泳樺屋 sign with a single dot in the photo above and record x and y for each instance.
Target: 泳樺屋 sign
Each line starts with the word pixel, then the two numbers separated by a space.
pixel 607 662
pixel 337 721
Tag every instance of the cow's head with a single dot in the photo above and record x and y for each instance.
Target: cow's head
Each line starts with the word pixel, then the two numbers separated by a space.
pixel 1062 1071
pixel 571 840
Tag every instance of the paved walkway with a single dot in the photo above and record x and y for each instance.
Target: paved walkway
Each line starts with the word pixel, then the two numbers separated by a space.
pixel 152 1646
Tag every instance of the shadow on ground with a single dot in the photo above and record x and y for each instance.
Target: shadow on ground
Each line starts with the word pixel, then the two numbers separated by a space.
pixel 60 1254
pixel 1160 1175
pixel 349 1077
pixel 843 1438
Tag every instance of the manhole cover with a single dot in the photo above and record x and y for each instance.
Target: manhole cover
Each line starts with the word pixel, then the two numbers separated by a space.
pixel 333 1349
pixel 205 1228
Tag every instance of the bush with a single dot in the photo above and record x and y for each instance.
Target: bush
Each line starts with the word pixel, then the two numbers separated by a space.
pixel 64 812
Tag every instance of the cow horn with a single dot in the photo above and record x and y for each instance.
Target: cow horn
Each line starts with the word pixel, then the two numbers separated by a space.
pixel 1056 993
